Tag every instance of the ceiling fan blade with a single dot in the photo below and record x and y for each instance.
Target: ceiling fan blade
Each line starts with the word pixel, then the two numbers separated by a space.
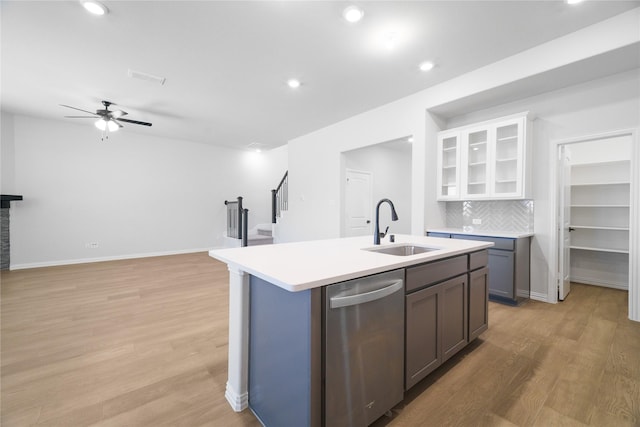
pixel 135 122
pixel 85 111
pixel 81 117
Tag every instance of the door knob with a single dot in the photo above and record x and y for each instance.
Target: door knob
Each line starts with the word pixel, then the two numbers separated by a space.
pixel 571 229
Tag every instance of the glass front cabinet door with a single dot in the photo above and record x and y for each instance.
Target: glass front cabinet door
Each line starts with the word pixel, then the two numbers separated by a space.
pixel 476 171
pixel 448 179
pixel 508 161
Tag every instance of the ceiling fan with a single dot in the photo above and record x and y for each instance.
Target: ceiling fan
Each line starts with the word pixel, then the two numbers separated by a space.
pixel 107 119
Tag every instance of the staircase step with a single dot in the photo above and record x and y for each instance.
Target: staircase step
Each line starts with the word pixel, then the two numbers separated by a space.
pixel 264 229
pixel 258 239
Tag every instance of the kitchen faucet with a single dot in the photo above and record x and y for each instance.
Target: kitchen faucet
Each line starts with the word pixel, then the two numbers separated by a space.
pixel 394 217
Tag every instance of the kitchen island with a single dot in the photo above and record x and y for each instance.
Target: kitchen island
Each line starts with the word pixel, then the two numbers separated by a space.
pixel 276 315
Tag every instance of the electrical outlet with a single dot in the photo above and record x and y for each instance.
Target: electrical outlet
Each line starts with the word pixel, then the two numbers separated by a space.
pixel 476 221
pixel 92 245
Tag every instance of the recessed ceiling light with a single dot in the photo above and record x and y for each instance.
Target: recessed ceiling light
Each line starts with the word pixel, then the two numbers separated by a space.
pixel 353 14
pixel 95 7
pixel 426 66
pixel 293 83
pixel 574 1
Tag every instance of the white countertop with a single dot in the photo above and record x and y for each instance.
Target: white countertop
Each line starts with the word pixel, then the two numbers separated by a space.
pixel 306 265
pixel 487 233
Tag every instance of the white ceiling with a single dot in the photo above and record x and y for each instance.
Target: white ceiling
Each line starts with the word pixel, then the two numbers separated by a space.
pixel 226 63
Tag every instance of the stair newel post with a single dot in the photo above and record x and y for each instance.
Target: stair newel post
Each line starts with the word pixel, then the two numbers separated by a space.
pixel 245 221
pixel 240 225
pixel 274 202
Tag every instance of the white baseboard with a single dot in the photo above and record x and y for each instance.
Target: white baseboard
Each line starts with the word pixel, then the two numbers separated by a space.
pixel 238 402
pixel 538 296
pixel 590 281
pixel 102 259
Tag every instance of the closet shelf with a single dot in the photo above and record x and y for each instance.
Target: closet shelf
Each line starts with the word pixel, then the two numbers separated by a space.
pixel 593 227
pixel 600 206
pixel 587 248
pixel 597 184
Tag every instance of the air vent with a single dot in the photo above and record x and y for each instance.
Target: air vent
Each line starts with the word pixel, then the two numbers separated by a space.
pixel 148 77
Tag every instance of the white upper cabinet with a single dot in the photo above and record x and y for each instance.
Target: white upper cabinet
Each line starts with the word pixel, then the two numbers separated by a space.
pixel 448 179
pixel 490 160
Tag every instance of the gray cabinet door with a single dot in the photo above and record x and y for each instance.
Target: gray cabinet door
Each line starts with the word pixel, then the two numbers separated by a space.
pixel 436 328
pixel 454 316
pixel 478 305
pixel 424 318
pixel 501 279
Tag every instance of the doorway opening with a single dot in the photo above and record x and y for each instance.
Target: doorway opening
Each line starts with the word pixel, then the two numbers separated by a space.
pixel 387 165
pixel 595 207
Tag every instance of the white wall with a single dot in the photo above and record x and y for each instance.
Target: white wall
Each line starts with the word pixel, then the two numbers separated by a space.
pixel 315 168
pixel 133 194
pixel 7 155
pixel 391 169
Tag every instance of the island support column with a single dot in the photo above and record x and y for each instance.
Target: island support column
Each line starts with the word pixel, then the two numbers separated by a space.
pixel 237 382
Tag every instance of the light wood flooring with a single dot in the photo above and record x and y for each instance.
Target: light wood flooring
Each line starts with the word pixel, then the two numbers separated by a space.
pixel 144 343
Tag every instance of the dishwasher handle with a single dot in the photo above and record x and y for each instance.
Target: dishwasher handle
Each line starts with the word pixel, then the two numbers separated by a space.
pixel 346 301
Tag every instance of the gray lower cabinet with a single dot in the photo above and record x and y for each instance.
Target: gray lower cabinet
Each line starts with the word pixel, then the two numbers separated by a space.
pixel 436 327
pixel 438 312
pixel 478 302
pixel 423 337
pixel 454 323
pixel 503 273
pixel 509 264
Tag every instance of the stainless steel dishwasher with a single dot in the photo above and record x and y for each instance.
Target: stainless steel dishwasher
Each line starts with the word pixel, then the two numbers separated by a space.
pixel 364 348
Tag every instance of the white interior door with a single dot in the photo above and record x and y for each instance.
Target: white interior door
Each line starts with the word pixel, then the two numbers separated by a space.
pixel 358 200
pixel 564 221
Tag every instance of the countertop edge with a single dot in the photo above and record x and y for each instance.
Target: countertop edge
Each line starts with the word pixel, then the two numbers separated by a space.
pixel 386 263
pixel 485 233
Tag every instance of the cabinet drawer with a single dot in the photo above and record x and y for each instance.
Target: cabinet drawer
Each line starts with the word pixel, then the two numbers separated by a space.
pixel 478 259
pixel 434 272
pixel 502 243
pixel 436 234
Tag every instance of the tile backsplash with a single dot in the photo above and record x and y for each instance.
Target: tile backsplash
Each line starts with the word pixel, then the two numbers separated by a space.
pixel 494 215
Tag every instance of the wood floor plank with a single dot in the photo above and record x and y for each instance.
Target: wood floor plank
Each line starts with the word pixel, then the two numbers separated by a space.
pixel 144 343
pixel 616 398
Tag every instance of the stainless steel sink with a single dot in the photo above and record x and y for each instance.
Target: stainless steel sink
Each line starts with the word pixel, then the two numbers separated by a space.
pixel 403 250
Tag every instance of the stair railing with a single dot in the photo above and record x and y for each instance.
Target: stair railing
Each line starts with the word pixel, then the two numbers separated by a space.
pixel 280 198
pixel 237 220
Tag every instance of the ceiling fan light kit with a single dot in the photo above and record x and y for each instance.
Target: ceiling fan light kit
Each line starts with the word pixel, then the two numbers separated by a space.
pixel 109 125
pixel 108 120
